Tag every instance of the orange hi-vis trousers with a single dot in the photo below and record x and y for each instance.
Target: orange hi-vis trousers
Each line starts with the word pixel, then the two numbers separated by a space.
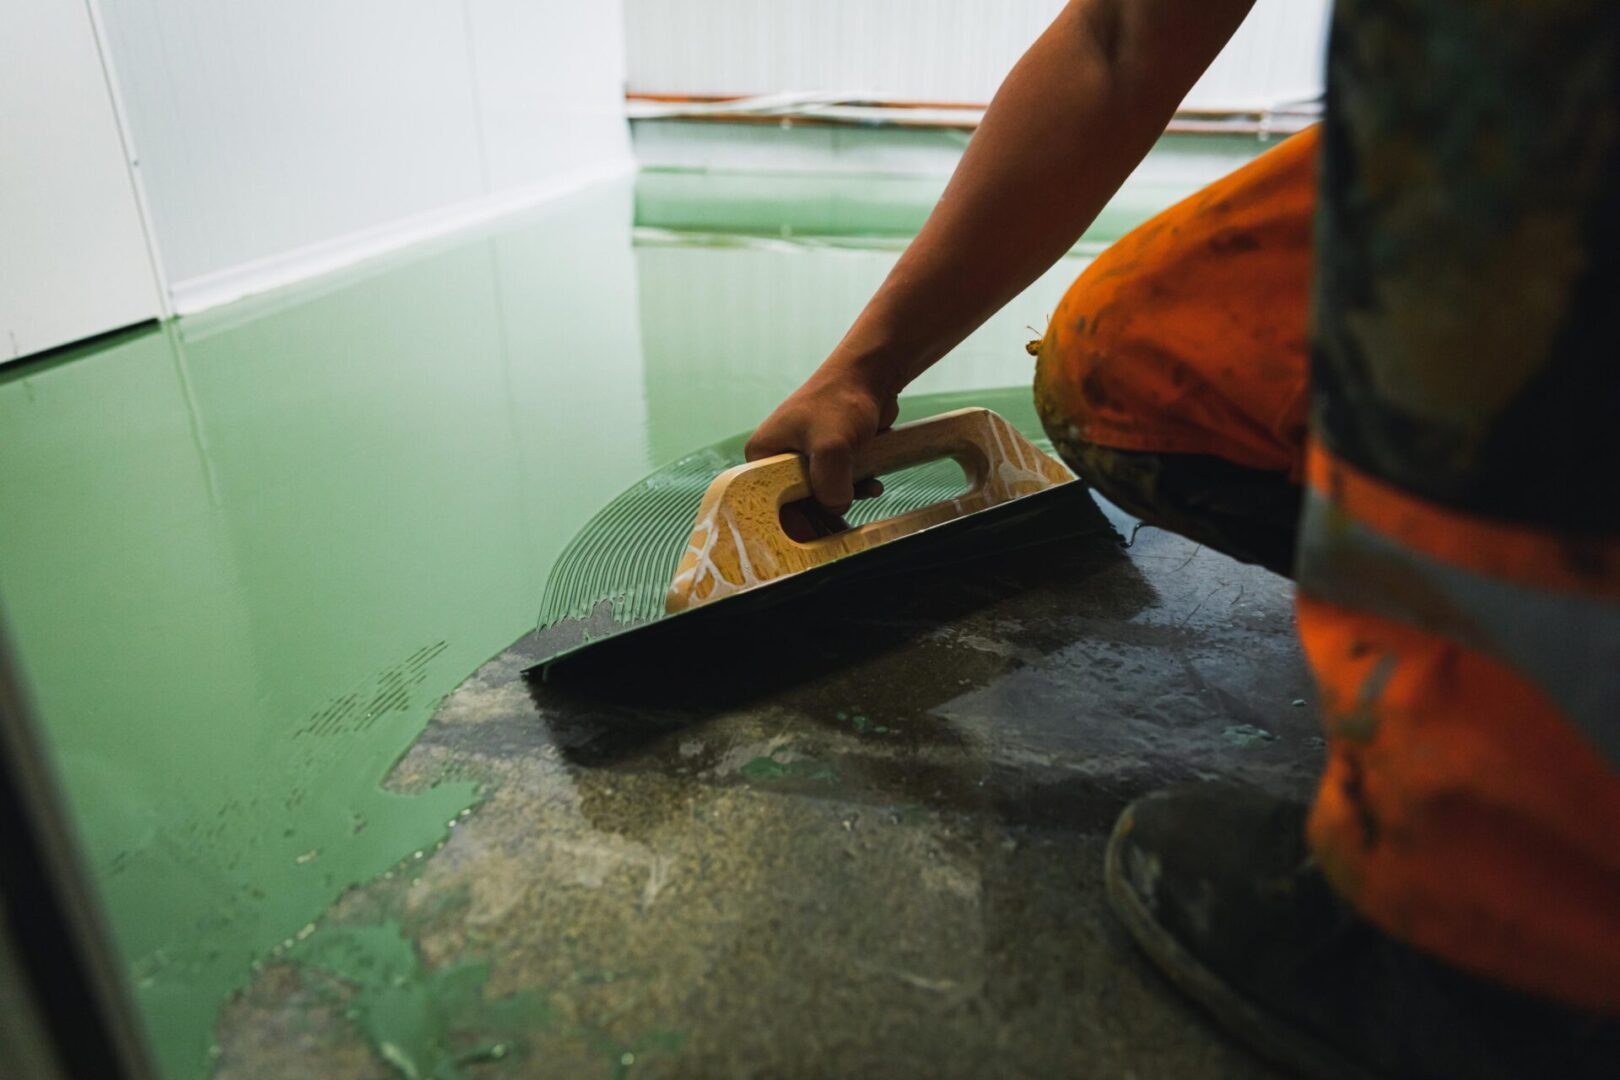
pixel 1467 656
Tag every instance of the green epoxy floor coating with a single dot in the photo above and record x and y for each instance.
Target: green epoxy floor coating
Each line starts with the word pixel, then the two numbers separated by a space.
pixel 244 555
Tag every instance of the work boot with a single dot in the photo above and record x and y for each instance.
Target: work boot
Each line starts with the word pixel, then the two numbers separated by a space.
pixel 1216 884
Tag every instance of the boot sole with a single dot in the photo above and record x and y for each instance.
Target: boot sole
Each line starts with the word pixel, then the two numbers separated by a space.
pixel 1275 1040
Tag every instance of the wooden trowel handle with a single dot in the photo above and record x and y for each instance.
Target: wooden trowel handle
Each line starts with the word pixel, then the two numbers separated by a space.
pixel 738 540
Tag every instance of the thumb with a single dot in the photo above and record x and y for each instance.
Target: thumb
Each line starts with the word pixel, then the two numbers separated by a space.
pixel 888 414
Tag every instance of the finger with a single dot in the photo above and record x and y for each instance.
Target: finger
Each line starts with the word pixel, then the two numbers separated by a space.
pixel 870 488
pixel 888 414
pixel 777 435
pixel 763 443
pixel 832 476
pixel 826 522
pixel 797 524
pixel 808 520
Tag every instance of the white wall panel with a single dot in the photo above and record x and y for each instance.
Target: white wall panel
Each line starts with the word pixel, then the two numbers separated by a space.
pixel 550 83
pixel 1276 57
pixel 924 50
pixel 73 251
pixel 263 127
pixel 282 136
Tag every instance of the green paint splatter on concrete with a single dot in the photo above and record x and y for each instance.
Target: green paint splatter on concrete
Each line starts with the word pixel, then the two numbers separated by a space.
pixel 1247 735
pixel 861 723
pixel 767 769
pixel 425 1023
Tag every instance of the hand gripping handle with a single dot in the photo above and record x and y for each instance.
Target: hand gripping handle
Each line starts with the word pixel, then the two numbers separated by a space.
pixel 738 541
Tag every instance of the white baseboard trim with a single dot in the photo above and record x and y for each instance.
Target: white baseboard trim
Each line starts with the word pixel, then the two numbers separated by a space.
pixel 191 295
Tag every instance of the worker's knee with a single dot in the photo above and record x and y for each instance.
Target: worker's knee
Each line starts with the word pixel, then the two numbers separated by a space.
pixel 1188 335
pixel 1079 376
pixel 1249 514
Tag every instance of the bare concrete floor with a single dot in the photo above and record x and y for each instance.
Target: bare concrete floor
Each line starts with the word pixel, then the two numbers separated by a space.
pixel 884 862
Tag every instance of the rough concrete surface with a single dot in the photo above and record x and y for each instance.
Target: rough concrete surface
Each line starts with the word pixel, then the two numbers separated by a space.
pixel 884 859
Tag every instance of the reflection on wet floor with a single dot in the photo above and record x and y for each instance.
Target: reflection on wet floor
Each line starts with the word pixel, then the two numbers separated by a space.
pixel 862 841
pixel 244 555
pixel 247 554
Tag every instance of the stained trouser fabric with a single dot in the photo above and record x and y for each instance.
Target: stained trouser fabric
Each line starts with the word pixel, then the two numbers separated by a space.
pixel 1173 373
pixel 1459 556
pixel 1458 551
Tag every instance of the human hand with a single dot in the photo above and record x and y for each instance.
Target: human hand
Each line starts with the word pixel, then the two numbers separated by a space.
pixel 829 419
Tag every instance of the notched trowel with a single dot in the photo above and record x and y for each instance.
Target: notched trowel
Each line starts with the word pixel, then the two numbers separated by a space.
pixel 740 560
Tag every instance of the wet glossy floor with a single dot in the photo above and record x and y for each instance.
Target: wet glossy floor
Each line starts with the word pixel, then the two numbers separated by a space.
pixel 245 555
pixel 864 842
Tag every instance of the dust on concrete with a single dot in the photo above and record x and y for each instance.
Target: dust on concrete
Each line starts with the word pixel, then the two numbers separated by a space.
pixel 747 881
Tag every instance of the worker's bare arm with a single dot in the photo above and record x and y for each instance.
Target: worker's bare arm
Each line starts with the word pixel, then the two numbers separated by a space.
pixel 1071 121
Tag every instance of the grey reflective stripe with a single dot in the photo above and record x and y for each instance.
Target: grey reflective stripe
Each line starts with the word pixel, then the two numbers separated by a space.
pixel 1567 645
